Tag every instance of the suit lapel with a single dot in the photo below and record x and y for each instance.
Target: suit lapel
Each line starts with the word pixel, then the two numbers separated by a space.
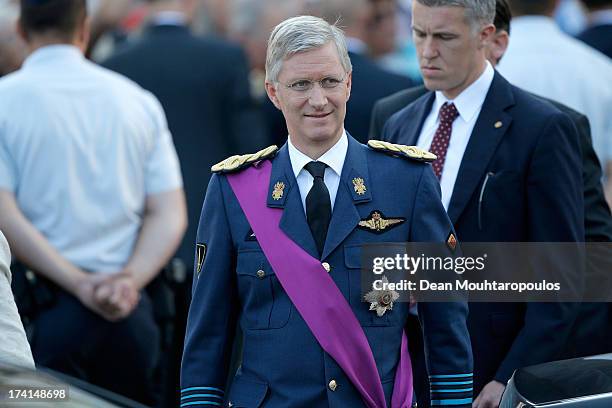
pixel 491 125
pixel 293 221
pixel 409 135
pixel 345 216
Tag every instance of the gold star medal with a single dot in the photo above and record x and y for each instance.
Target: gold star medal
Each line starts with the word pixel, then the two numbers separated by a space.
pixel 279 187
pixel 359 186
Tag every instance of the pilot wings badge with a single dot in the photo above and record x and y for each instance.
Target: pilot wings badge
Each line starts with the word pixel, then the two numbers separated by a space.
pixel 377 223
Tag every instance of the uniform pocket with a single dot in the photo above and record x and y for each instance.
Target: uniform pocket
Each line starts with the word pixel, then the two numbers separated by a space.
pixel 264 302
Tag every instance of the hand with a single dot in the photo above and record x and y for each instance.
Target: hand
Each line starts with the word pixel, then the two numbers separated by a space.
pixel 490 396
pixel 118 295
pixel 85 291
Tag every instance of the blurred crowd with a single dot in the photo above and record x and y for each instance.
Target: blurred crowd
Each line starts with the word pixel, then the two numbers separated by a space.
pixel 204 60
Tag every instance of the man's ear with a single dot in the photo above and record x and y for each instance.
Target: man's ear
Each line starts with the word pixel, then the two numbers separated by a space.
pixel 272 94
pixel 349 83
pixel 486 34
pixel 498 46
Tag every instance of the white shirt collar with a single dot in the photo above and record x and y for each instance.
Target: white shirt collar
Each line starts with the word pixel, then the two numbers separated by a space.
pixel 59 52
pixel 334 157
pixel 469 102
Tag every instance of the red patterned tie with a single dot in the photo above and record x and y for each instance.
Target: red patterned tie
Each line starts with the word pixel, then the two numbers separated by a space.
pixel 439 144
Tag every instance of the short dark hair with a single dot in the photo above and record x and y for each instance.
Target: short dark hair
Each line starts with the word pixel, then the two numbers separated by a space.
pixel 59 17
pixel 597 4
pixel 503 15
pixel 530 7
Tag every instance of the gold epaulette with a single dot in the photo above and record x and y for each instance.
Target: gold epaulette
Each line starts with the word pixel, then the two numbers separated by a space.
pixel 410 152
pixel 238 162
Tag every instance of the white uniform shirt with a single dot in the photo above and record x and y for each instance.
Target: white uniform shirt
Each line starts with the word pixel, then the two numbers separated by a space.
pixel 81 147
pixel 14 346
pixel 334 158
pixel 543 60
pixel 469 104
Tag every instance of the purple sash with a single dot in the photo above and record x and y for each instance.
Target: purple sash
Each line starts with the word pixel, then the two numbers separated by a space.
pixel 330 317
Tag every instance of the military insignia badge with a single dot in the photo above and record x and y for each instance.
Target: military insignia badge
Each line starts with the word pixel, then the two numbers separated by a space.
pixel 377 223
pixel 451 242
pixel 279 187
pixel 201 254
pixel 360 187
pixel 381 300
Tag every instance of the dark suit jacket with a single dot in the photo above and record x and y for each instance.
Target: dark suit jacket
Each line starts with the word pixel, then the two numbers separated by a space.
pixel 202 84
pixel 599 37
pixel 370 83
pixel 534 193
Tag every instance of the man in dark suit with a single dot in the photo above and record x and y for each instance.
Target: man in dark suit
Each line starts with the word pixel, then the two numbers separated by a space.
pixel 588 335
pixel 202 84
pixel 599 33
pixel 500 157
pixel 370 82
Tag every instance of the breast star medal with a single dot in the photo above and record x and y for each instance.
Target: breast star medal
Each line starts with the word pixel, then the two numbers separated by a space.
pixel 279 187
pixel 381 300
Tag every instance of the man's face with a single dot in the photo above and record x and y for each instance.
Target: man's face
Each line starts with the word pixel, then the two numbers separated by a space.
pixel 314 117
pixel 450 51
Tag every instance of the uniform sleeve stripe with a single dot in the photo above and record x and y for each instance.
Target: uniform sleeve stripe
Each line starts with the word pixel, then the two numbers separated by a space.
pixel 203 388
pixel 451 375
pixel 184 397
pixel 453 383
pixel 457 390
pixel 452 402
pixel 186 404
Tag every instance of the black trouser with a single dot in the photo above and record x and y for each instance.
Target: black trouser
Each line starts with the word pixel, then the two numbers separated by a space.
pixel 120 356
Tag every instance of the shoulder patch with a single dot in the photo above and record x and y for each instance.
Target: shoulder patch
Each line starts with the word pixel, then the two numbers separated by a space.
pixel 410 152
pixel 238 162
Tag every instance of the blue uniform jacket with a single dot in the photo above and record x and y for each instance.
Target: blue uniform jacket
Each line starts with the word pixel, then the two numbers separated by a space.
pixel 282 363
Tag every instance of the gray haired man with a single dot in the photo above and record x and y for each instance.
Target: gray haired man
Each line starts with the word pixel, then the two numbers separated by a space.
pixel 279 251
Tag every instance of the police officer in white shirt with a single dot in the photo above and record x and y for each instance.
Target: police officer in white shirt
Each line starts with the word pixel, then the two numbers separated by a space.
pixel 90 198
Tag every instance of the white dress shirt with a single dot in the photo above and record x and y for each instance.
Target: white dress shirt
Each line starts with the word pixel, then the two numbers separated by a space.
pixel 334 158
pixel 544 60
pixel 81 147
pixel 468 104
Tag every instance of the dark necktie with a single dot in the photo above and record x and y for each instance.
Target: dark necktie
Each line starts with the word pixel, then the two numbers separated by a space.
pixel 318 204
pixel 439 144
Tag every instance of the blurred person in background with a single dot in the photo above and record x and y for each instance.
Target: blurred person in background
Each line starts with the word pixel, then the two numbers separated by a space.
pixel 544 60
pixel 382 28
pixel 203 86
pixel 599 31
pixel 14 347
pixel 12 48
pixel 91 200
pixel 202 83
pixel 251 23
pixel 370 82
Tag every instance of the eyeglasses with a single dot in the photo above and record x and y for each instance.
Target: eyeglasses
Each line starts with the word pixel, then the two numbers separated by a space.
pixel 302 87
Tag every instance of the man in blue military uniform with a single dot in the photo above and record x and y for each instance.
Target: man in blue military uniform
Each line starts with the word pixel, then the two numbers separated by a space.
pixel 279 245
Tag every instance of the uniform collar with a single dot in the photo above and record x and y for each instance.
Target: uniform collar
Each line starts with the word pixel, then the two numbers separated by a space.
pixel 52 53
pixel 334 157
pixel 469 102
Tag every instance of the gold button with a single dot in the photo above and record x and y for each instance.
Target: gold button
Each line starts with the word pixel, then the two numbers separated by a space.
pixel 326 266
pixel 261 274
pixel 333 385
